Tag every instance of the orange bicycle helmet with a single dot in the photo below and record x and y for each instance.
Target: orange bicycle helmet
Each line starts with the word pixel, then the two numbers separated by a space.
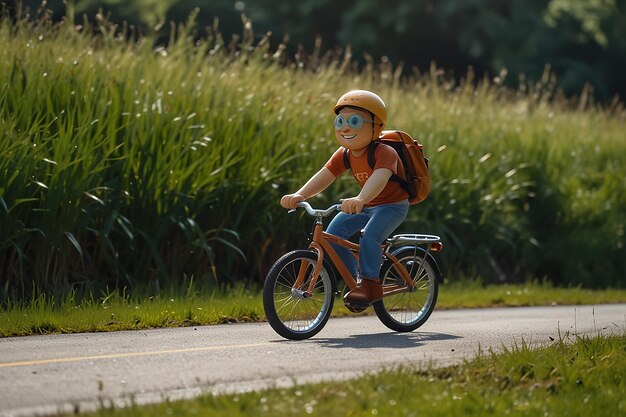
pixel 366 100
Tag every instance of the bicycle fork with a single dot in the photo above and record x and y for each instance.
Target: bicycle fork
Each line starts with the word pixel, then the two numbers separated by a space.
pixel 321 244
pixel 308 292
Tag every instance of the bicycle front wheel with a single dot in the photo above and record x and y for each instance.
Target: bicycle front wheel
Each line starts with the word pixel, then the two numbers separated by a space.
pixel 408 310
pixel 293 312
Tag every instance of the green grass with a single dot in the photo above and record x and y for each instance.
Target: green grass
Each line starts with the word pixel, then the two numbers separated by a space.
pixel 126 165
pixel 583 378
pixel 472 293
pixel 118 311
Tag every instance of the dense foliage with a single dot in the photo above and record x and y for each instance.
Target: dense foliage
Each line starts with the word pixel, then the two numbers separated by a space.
pixel 126 165
pixel 583 41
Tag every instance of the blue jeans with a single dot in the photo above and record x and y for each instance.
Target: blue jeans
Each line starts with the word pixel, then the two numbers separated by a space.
pixel 377 224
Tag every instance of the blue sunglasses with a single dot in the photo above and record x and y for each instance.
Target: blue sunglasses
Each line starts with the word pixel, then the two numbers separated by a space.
pixel 355 122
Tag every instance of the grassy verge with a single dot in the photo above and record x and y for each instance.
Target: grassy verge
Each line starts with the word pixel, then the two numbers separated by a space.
pixel 119 311
pixel 472 293
pixel 583 378
pixel 126 165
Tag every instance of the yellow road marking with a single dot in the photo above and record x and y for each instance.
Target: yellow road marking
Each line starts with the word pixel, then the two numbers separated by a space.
pixel 123 355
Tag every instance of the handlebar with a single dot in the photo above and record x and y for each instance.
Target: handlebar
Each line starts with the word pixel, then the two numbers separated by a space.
pixel 318 212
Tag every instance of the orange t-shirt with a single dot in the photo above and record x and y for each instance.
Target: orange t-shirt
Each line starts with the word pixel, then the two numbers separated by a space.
pixel 384 157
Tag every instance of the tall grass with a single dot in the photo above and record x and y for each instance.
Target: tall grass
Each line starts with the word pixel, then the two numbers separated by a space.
pixel 126 164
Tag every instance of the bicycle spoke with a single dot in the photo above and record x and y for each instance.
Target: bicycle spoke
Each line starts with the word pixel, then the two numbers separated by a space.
pixel 424 286
pixel 288 301
pixel 392 306
pixel 293 307
pixel 309 312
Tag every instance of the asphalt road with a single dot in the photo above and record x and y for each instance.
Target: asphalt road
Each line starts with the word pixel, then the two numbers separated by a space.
pixel 46 374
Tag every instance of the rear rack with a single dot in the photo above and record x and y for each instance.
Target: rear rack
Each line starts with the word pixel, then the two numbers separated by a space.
pixel 413 239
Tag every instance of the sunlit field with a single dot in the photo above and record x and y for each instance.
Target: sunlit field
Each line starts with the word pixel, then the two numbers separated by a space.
pixel 130 165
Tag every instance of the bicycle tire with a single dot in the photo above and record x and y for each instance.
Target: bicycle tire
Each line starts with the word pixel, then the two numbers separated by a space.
pixel 291 314
pixel 406 311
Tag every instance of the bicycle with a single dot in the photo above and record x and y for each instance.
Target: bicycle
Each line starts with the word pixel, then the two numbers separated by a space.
pixel 300 288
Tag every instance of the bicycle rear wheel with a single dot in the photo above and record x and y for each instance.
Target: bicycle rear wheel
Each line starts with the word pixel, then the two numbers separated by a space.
pixel 290 311
pixel 406 311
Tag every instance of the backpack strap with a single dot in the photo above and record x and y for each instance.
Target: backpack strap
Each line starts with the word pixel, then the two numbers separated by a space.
pixel 372 163
pixel 371 149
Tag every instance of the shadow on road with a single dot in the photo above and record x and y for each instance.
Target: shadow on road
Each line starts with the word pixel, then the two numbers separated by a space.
pixel 382 340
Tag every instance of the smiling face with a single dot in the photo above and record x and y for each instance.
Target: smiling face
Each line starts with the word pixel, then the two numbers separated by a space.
pixel 350 135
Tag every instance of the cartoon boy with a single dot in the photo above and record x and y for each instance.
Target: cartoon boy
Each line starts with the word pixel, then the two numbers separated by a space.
pixel 381 205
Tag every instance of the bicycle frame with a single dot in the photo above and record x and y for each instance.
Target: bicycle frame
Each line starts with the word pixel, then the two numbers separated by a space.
pixel 321 244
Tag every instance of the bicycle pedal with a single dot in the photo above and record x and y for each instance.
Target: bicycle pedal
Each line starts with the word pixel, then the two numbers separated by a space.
pixel 355 308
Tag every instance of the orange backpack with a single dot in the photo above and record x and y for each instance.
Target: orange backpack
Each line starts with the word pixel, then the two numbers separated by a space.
pixel 411 153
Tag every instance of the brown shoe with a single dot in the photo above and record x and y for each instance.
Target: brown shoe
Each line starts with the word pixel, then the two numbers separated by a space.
pixel 365 293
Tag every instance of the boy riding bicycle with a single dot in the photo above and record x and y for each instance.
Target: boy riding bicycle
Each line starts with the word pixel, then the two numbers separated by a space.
pixel 381 205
